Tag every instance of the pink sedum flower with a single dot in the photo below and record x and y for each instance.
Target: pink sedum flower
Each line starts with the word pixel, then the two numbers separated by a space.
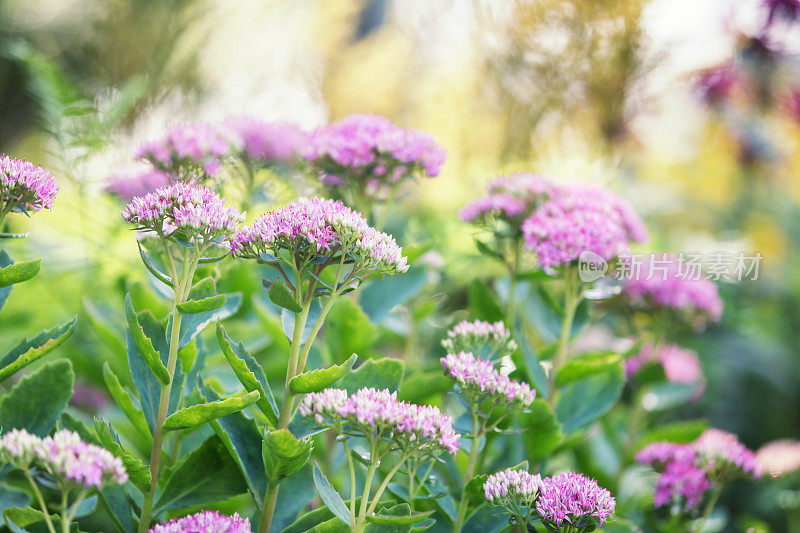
pixel 575 499
pixel 25 186
pixel 581 218
pixel 779 457
pixel 469 336
pixel 511 198
pixel 187 148
pixel 266 142
pixel 129 186
pixel 205 522
pixel 722 453
pixel 479 381
pixel 195 212
pixel 19 448
pixel 683 482
pixel 663 282
pixel 510 484
pixel 680 365
pixel 319 227
pixel 376 411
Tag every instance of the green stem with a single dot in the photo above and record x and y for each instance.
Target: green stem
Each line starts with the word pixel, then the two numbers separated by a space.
pixel 709 507
pixel 572 298
pixel 270 499
pixel 40 500
pixel 383 485
pixel 472 460
pixel 351 467
pixel 65 517
pixel 313 335
pixel 373 461
pixel 512 286
pixel 412 474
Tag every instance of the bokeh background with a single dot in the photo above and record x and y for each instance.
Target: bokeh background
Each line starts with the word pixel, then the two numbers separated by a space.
pixel 690 109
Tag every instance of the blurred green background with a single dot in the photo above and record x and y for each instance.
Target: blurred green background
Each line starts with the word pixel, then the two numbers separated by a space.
pixel 611 91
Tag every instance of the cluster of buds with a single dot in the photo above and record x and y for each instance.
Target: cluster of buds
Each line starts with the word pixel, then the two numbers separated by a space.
pixel 205 522
pixel 482 384
pixel 378 414
pixel 565 502
pixel 489 340
pixel 64 456
pixel 187 150
pixel 688 471
pixel 510 199
pixel 24 186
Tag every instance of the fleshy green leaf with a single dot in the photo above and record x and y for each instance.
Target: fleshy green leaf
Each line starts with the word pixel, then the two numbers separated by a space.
pixel 192 325
pixel 30 350
pixel 249 372
pixel 118 506
pixel 543 430
pixel 330 497
pixel 11 497
pixel 124 401
pixel 662 396
pixel 533 368
pixel 321 378
pixel 586 366
pixel 283 454
pixel 163 278
pixel 19 272
pixel 483 303
pixel 36 401
pixel 138 472
pixel 400 515
pixel 200 414
pixel 583 401
pixel 192 307
pixel 144 344
pixel 681 432
pixel 383 373
pixel 5 260
pixel 348 330
pixel 206 474
pixel 280 295
pixel 380 296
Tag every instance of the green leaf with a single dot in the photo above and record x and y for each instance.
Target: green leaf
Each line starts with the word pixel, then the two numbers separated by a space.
pixel 192 307
pixel 543 430
pixel 144 344
pixel 385 373
pixel 249 372
pixel 580 403
pixel 586 366
pixel 311 519
pixel 36 401
pixel 30 350
pixel 163 278
pixel 206 474
pixel 138 472
pixel 200 414
pixel 280 295
pixel 348 330
pixel 483 303
pixel 192 325
pixel 19 272
pixel 99 323
pixel 283 454
pixel 124 401
pixel 295 494
pixel 241 437
pixel 5 260
pixel 334 525
pixel 67 421
pixel 532 366
pixel 12 497
pixel 662 396
pixel 421 385
pixel 320 378
pixel 681 432
pixel 400 515
pixel 23 516
pixel 330 497
pixel 118 506
pixel 380 296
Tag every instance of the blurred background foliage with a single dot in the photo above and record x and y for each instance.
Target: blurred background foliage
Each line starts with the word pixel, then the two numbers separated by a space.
pixel 613 91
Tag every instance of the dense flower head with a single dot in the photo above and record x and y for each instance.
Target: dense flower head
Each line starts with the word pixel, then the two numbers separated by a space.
pixel 129 186
pixel 779 457
pixel 574 498
pixel 197 147
pixel 682 482
pixel 65 456
pixel 25 186
pixel 663 281
pixel 205 522
pixel 317 227
pixel 376 411
pixel 266 142
pixel 192 210
pixel 723 454
pixel 510 198
pixel 480 381
pixel 658 454
pixel 469 336
pixel 371 147
pixel 581 218
pixel 512 484
pixel 680 365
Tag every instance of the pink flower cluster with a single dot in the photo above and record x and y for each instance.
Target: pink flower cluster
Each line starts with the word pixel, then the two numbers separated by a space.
pixel 471 336
pixel 65 456
pixel 576 499
pixel 266 142
pixel 512 484
pixel 479 381
pixel 129 186
pixel 375 411
pixel 779 457
pixel 25 186
pixel 688 471
pixel 205 522
pixel 680 365
pixel 194 211
pixel 319 226
pixel 510 198
pixel 579 218
pixel 199 146
pixel 371 147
